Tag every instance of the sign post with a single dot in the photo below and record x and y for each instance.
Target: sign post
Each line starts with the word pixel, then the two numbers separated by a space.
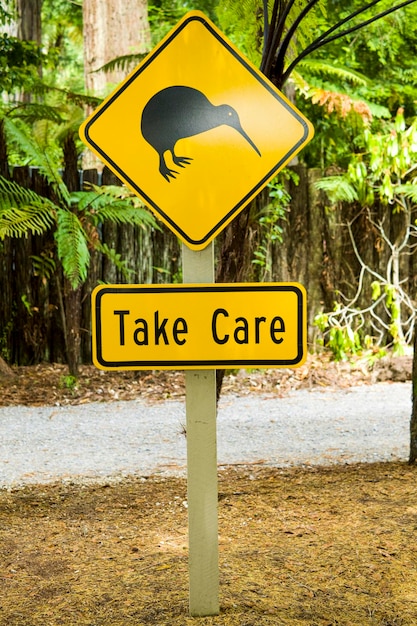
pixel 201 413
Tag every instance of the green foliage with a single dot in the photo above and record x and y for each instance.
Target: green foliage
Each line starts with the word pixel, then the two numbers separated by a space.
pixel 68 381
pixel 164 14
pixel 384 172
pixel 114 204
pixel 270 221
pixel 241 21
pixel 352 81
pixel 338 189
pixel 74 224
pixel 33 112
pixel 19 63
pixel 345 340
pixel 6 11
pixel 26 304
pixel 386 169
pixel 36 152
pixel 62 38
pixel 122 63
pixel 73 217
pixel 325 69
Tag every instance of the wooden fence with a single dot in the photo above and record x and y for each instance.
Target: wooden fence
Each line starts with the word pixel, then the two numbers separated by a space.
pixel 316 251
pixel 31 324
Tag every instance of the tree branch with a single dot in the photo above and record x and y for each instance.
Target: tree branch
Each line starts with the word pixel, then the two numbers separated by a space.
pixel 324 39
pixel 270 29
pixel 283 47
pixel 276 34
pixel 266 25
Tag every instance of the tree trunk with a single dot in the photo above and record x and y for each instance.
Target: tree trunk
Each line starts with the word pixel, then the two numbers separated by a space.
pixel 413 421
pixel 112 28
pixel 29 20
pixel 4 167
pixel 72 297
pixel 72 304
pixel 29 27
pixel 5 370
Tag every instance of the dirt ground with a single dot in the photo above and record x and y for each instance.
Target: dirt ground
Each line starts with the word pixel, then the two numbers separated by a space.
pixel 330 546
pixel 298 547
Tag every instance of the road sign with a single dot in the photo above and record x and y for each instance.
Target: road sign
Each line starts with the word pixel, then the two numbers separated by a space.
pixel 199 326
pixel 196 130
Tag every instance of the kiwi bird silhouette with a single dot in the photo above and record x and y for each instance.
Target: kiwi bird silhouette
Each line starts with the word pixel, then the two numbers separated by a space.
pixel 178 112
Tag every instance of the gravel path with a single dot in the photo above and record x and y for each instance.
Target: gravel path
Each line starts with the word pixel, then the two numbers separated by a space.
pixel 103 440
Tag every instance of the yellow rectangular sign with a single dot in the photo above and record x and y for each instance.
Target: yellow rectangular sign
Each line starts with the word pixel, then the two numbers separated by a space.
pixel 199 326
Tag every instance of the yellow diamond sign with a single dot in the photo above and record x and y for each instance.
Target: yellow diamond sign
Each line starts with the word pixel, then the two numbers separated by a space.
pixel 196 130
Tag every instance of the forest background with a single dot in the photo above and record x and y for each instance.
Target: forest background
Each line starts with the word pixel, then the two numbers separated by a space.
pixel 341 220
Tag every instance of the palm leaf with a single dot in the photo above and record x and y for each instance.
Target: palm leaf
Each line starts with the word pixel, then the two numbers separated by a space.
pixel 23 211
pixel 72 247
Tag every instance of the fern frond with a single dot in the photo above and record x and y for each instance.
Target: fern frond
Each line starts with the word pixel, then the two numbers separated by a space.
pixel 378 110
pixel 23 211
pixel 122 63
pixel 19 222
pixel 337 188
pixel 43 266
pixel 323 68
pixel 114 203
pixel 80 99
pixel 115 258
pixel 33 112
pixel 72 247
pixel 122 212
pixel 408 190
pixel 38 157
